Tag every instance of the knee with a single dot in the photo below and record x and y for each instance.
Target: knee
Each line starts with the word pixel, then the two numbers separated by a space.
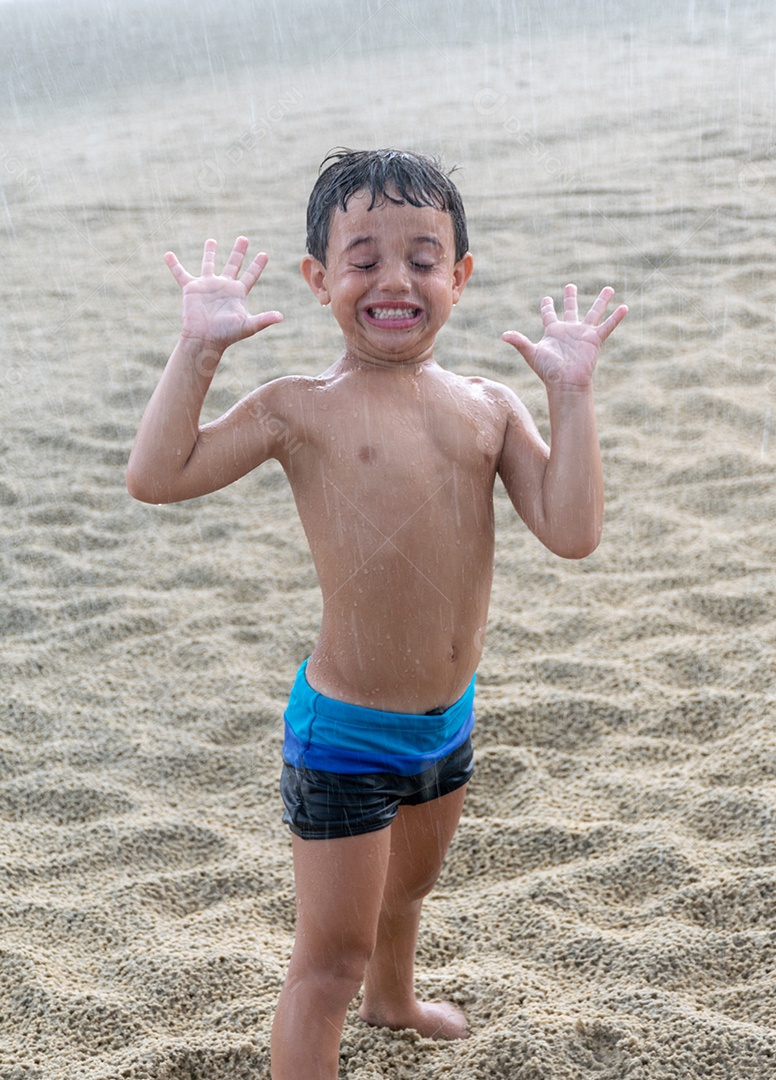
pixel 337 970
pixel 417 889
pixel 429 882
pixel 347 967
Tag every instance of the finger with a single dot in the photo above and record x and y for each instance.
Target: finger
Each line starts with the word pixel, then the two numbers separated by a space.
pixel 183 277
pixel 267 318
pixel 254 271
pixel 616 317
pixel 570 311
pixel 234 262
pixel 600 305
pixel 209 258
pixel 548 311
pixel 524 345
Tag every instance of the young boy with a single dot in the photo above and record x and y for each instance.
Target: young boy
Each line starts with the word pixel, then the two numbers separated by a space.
pixel 392 462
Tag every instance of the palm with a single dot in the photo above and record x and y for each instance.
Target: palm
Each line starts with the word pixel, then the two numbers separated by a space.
pixel 214 306
pixel 568 351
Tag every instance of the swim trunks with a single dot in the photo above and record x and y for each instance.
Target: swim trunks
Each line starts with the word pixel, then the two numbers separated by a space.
pixel 347 769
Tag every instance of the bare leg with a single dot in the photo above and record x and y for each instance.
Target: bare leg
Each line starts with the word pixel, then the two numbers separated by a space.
pixel 420 836
pixel 339 888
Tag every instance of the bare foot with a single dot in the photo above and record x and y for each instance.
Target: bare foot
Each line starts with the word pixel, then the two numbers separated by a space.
pixel 432 1020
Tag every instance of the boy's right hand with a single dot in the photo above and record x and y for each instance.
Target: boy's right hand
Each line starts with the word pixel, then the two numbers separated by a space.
pixel 214 308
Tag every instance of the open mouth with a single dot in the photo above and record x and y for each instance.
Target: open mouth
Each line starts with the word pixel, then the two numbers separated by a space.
pixel 394 316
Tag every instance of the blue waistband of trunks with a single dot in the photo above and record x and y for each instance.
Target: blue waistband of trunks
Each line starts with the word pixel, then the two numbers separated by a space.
pixel 335 736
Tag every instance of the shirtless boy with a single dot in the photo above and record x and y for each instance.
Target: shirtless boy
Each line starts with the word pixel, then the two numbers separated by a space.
pixel 392 461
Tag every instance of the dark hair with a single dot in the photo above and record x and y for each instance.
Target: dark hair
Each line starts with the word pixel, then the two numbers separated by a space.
pixel 395 175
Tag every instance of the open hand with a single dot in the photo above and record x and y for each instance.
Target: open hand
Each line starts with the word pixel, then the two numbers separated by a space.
pixel 214 308
pixel 568 352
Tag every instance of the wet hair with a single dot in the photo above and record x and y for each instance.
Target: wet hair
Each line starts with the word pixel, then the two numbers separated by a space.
pixel 393 175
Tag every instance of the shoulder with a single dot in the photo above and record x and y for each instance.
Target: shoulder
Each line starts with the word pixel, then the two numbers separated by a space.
pixel 283 396
pixel 491 394
pixel 291 408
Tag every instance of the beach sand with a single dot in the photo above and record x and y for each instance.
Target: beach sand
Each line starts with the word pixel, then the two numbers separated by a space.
pixel 608 907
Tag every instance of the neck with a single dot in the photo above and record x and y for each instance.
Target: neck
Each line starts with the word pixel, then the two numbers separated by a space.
pixel 358 361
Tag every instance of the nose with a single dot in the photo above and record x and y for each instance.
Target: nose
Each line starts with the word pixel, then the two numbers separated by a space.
pixel 394 277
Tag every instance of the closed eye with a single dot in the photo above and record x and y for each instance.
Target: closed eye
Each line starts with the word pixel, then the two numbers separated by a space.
pixel 364 266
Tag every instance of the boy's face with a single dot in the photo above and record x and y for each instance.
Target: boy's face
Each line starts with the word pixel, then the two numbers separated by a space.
pixel 391 278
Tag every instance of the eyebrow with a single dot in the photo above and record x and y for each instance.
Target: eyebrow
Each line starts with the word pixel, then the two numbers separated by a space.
pixel 358 241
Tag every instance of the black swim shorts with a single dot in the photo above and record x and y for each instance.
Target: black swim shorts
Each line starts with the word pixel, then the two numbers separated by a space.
pixel 326 805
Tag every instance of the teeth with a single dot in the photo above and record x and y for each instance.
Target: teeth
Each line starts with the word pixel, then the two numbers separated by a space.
pixel 393 313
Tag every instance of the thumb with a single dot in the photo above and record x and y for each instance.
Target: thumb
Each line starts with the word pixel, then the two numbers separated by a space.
pixel 262 321
pixel 524 346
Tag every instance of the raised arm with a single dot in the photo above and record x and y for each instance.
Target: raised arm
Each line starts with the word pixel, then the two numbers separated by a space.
pixel 558 490
pixel 173 457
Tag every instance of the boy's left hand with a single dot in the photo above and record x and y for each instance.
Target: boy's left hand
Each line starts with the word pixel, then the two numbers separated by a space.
pixel 568 352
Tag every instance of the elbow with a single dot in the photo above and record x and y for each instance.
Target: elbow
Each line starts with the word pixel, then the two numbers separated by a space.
pixel 138 487
pixel 574 544
pixel 575 531
pixel 576 553
pixel 580 551
pixel 146 487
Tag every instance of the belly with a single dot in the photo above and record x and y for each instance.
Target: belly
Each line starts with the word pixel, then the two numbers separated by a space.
pixel 399 634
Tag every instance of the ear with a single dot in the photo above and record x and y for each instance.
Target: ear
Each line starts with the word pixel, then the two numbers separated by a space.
pixel 314 273
pixel 462 271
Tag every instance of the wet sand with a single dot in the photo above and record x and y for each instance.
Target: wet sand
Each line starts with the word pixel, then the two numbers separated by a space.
pixel 608 907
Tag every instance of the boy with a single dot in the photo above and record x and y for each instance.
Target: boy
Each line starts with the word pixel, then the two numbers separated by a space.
pixel 392 462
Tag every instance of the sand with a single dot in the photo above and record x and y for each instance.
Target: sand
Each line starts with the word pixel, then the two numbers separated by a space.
pixel 608 907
